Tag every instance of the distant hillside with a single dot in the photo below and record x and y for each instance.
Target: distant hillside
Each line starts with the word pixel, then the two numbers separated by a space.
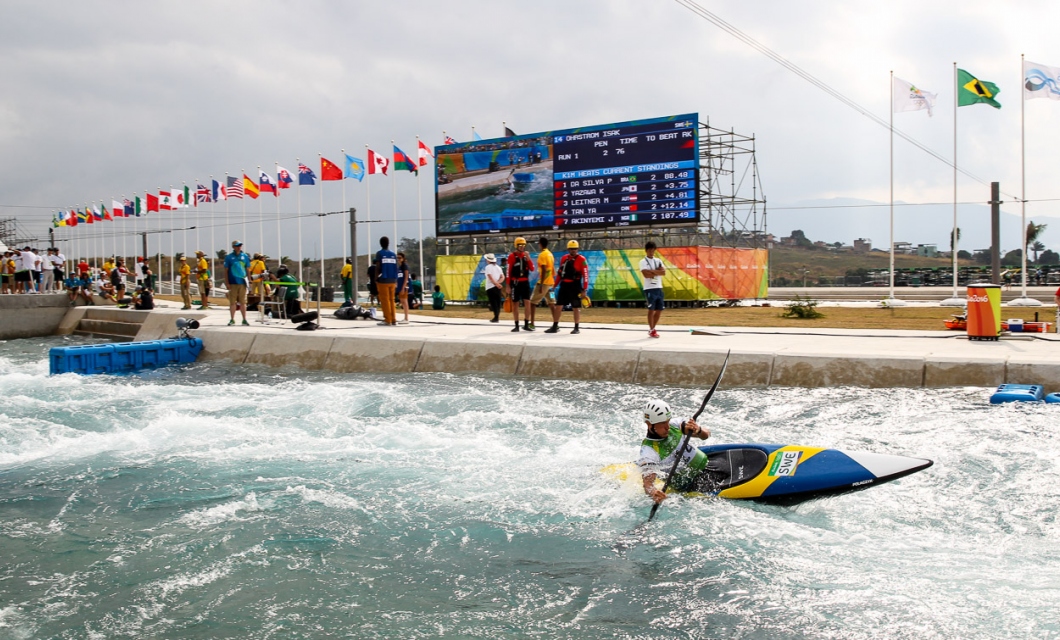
pixel 838 220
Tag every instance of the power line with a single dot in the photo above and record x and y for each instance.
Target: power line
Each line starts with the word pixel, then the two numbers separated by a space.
pixel 717 21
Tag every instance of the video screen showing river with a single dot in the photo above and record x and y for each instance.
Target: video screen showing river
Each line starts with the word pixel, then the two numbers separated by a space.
pixel 216 500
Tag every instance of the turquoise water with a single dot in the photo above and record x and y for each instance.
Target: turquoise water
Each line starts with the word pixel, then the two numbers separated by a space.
pixel 217 501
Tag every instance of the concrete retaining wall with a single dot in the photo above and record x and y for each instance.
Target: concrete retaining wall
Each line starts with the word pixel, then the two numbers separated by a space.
pixel 32 315
pixel 642 365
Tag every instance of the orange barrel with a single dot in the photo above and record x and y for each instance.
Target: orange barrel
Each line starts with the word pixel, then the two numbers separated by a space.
pixel 984 311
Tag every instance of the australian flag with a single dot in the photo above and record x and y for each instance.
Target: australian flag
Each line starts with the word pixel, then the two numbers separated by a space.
pixel 306 175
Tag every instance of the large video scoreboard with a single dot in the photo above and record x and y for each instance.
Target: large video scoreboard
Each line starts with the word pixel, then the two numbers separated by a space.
pixel 626 174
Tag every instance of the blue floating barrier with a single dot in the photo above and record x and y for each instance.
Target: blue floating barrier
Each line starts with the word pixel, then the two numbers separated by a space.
pixel 1052 398
pixel 1018 393
pixel 124 357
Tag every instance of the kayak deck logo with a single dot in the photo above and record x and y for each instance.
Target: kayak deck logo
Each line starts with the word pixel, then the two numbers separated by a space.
pixel 784 463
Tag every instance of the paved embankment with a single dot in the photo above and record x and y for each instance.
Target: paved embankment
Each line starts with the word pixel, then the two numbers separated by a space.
pixel 624 353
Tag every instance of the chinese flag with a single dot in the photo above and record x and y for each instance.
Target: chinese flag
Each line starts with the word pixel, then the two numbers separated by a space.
pixel 329 170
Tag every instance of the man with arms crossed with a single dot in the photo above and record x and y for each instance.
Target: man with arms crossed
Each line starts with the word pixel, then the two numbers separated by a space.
pixel 546 279
pixel 653 271
pixel 236 265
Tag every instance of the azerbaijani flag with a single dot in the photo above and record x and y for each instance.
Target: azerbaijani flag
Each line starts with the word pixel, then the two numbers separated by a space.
pixel 250 187
pixel 402 162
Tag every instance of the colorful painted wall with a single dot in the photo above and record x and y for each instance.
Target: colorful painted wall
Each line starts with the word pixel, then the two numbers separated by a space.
pixel 693 273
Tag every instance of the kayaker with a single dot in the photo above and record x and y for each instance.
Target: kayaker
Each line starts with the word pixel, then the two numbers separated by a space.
pixel 660 445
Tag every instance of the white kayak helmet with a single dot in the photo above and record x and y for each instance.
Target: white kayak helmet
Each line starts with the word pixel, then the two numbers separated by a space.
pixel 656 411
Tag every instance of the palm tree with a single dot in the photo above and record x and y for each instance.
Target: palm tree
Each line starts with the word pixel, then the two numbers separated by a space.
pixel 1037 246
pixel 1033 232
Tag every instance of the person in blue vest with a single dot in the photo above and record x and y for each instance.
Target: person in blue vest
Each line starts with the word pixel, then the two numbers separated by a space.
pixel 237 264
pixel 386 264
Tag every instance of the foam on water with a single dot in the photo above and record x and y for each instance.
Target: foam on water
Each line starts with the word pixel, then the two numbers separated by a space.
pixel 222 501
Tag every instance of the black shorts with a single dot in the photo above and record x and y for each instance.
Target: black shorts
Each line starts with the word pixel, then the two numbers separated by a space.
pixel 520 291
pixel 569 293
pixel 22 276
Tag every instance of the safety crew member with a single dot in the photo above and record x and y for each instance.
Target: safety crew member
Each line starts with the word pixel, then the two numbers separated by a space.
pixel 572 283
pixel 519 268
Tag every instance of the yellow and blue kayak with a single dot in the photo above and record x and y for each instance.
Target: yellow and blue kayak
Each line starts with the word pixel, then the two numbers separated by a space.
pixel 787 474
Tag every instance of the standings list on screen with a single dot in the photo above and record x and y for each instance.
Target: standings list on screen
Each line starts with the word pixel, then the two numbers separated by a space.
pixel 636 174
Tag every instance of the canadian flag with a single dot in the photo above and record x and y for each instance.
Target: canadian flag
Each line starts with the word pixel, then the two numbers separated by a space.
pixel 424 153
pixel 377 163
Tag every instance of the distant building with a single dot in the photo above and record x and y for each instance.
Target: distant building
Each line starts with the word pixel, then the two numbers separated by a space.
pixel 862 245
pixel 904 247
pixel 927 251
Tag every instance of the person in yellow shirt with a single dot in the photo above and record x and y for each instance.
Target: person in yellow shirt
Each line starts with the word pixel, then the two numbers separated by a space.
pixel 108 266
pixel 257 274
pixel 347 281
pixel 185 282
pixel 546 279
pixel 202 273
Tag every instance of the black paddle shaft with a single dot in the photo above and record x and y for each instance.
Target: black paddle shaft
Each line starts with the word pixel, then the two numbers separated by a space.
pixel 684 442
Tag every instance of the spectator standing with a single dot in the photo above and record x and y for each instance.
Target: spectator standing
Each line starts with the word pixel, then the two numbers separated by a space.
pixel 148 276
pixel 236 265
pixel 573 283
pixel 257 275
pixel 185 282
pixel 653 271
pixel 117 278
pixel 403 285
pixel 373 289
pixel 83 268
pixel 546 280
pixel 202 275
pixel 415 293
pixel 494 285
pixel 7 270
pixel 519 267
pixel 386 280
pixel 58 261
pixel 438 299
pixel 24 271
pixel 47 276
pixel 346 275
pixel 36 271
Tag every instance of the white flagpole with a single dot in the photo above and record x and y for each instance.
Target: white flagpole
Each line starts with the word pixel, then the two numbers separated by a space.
pixel 368 212
pixel 243 172
pixel 891 110
pixel 172 249
pixel 1023 301
pixel 198 221
pixel 321 219
pixel 158 273
pixel 954 301
pixel 343 215
pixel 261 217
pixel 279 247
pixel 299 194
pixel 213 218
pixel 419 204
pixel 393 189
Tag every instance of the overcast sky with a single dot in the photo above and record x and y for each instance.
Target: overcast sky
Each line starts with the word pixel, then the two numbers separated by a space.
pixel 103 98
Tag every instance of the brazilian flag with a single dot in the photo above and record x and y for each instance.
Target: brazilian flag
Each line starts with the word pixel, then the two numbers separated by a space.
pixel 972 90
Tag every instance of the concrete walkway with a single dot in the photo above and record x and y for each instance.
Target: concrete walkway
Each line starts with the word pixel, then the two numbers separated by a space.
pixel 688 356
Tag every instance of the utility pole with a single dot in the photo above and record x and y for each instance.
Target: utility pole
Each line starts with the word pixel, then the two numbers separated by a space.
pixel 995 232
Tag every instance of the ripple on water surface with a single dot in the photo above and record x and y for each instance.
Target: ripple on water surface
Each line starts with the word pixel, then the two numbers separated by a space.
pixel 221 501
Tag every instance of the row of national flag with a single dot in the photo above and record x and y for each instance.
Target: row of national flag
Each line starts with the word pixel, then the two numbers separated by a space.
pixel 1039 81
pixel 238 187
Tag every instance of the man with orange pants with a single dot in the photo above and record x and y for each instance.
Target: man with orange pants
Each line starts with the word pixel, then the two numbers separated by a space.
pixel 386 281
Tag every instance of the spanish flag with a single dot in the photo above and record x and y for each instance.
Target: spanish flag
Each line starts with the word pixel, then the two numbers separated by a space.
pixel 250 187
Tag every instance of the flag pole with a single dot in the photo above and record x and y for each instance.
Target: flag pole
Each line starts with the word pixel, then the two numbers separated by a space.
pixel 172 246
pixel 242 177
pixel 261 217
pixel 393 190
pixel 368 203
pixel 890 297
pixel 954 301
pixel 1023 301
pixel 299 194
pixel 158 274
pixel 321 218
pixel 213 238
pixel 276 192
pixel 419 204
pixel 342 217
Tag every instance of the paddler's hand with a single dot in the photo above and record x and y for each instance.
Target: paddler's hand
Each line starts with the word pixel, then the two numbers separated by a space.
pixel 657 496
pixel 696 431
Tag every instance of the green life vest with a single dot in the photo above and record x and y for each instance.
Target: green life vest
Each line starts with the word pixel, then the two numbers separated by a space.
pixel 668 447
